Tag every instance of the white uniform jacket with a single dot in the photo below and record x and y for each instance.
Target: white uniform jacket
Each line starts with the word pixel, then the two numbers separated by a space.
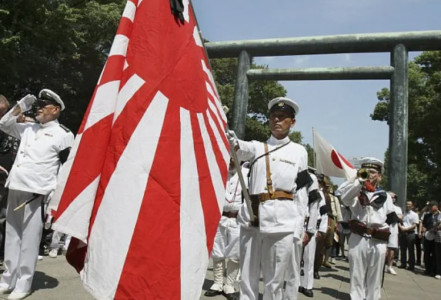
pixel 285 163
pixel 372 217
pixel 233 191
pixel 36 165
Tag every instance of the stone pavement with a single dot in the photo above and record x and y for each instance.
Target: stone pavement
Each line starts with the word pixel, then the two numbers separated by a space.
pixel 334 284
pixel 55 279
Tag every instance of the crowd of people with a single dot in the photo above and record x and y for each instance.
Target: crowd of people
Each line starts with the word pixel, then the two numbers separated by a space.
pixel 290 222
pixel 281 221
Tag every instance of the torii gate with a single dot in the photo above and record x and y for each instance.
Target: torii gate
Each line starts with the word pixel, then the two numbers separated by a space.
pixel 396 43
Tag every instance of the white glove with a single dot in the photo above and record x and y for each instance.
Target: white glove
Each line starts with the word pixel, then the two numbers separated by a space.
pixel 26 102
pixel 232 138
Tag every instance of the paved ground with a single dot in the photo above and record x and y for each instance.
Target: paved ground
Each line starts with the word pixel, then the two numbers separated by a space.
pixel 55 280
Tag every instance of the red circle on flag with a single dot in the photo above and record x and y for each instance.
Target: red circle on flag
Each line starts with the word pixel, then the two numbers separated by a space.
pixel 335 159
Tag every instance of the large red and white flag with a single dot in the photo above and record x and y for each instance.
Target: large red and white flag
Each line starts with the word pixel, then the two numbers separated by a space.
pixel 329 161
pixel 142 190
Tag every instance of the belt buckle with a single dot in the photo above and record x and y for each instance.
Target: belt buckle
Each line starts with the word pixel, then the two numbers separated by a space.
pixel 369 231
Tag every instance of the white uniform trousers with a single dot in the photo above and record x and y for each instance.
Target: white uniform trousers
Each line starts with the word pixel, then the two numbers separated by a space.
pixel 293 271
pixel 307 280
pixel 226 246
pixel 23 234
pixel 271 251
pixel 366 263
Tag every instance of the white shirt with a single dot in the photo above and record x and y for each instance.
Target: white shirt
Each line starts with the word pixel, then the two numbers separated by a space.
pixel 285 164
pixel 36 165
pixel 369 215
pixel 233 191
pixel 409 218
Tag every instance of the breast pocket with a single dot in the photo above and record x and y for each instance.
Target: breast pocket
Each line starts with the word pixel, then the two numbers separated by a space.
pixel 283 173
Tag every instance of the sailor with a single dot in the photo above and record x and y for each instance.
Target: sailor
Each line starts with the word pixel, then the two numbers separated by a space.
pixel 372 212
pixel 277 184
pixel 44 146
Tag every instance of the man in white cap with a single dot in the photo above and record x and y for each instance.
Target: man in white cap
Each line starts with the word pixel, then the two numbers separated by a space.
pixel 277 184
pixel 44 146
pixel 372 213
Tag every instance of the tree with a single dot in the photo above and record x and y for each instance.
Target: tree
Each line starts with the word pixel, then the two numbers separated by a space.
pixel 424 152
pixel 225 73
pixel 58 44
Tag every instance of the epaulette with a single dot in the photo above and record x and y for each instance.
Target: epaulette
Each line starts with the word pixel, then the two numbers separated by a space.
pixel 65 128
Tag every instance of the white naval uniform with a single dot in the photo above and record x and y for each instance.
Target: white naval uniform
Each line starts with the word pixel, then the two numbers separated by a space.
pixel 226 241
pixel 34 172
pixel 268 248
pixel 294 279
pixel 366 255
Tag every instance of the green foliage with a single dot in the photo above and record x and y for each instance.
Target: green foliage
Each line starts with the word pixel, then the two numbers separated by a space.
pixel 424 150
pixel 60 45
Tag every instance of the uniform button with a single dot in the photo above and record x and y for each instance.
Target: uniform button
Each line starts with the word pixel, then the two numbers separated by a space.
pixel 274 159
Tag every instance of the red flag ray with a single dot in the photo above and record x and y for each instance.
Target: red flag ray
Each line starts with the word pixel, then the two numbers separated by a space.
pixel 119 208
pixel 150 203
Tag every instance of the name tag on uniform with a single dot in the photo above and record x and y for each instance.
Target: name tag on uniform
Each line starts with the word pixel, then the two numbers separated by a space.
pixel 48 134
pixel 287 161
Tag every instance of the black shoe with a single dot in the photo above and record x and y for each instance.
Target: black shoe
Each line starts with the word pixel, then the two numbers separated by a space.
pixel 232 296
pixel 402 267
pixel 316 275
pixel 212 293
pixel 410 268
pixel 308 293
pixel 301 289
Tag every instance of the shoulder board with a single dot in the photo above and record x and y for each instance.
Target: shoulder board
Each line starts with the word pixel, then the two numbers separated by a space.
pixel 65 128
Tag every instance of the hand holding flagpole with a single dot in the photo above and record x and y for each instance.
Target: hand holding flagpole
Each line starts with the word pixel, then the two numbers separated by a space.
pixel 246 195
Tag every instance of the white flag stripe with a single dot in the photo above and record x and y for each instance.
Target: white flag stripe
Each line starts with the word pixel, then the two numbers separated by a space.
pixel 129 11
pixel 194 254
pixel 216 103
pixel 225 152
pixel 197 37
pixel 216 177
pixel 75 219
pixel 185 12
pixel 104 103
pixel 119 46
pixel 133 175
pixel 210 76
pixel 212 107
pixel 126 93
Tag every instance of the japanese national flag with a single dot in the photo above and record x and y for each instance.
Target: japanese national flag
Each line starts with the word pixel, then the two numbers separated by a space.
pixel 142 190
pixel 329 161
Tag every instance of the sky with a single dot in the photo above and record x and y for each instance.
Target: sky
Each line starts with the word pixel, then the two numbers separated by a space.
pixel 337 109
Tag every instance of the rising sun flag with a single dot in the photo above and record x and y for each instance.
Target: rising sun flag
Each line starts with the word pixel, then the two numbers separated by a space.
pixel 142 190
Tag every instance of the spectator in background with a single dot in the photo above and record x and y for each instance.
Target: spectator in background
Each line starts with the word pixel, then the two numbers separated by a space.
pixel 428 231
pixel 407 237
pixel 437 229
pixel 418 239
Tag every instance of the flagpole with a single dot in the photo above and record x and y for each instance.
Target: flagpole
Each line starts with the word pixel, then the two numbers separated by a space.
pixel 245 192
pixel 313 149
